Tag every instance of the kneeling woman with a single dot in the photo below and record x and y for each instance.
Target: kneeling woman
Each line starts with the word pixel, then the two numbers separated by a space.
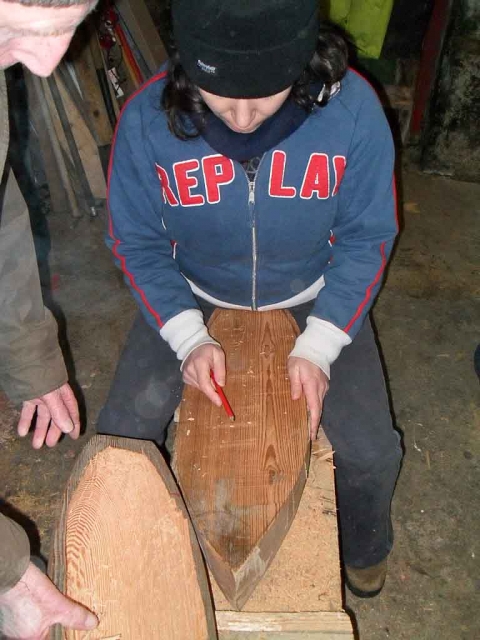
pixel 256 172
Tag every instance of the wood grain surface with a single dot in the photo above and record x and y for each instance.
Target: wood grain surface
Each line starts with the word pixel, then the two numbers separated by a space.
pixel 284 626
pixel 86 145
pixel 242 481
pixel 305 573
pixel 81 54
pixel 125 548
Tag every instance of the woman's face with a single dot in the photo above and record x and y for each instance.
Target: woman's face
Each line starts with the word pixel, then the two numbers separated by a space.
pixel 241 114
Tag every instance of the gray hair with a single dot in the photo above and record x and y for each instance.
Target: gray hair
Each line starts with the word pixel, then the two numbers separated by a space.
pixel 48 3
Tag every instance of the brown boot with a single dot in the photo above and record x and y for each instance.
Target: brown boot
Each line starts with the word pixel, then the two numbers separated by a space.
pixel 366 583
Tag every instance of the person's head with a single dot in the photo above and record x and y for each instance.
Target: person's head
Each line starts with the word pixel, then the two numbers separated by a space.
pixel 244 115
pixel 242 59
pixel 37 32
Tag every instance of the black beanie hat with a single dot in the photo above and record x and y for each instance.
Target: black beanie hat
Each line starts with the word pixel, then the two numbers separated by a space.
pixel 245 48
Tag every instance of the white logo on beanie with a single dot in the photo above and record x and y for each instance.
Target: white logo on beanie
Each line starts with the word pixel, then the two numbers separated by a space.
pixel 208 68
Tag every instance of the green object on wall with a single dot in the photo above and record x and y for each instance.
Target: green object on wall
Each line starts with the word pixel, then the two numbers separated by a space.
pixel 365 20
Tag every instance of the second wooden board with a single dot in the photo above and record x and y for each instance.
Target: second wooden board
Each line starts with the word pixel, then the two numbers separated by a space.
pixel 125 548
pixel 242 481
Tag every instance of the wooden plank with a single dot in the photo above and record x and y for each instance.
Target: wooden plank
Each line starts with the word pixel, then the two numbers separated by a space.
pixel 399 97
pixel 86 145
pixel 305 573
pixel 128 59
pixel 284 626
pixel 82 58
pixel 84 192
pixel 124 546
pixel 142 28
pixel 71 177
pixel 59 202
pixel 242 481
pixel 54 129
pixel 102 70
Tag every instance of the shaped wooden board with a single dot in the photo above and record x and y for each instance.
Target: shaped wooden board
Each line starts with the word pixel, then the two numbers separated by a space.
pixel 125 548
pixel 242 481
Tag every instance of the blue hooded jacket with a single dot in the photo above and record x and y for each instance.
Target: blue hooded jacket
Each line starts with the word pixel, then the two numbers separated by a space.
pixel 318 222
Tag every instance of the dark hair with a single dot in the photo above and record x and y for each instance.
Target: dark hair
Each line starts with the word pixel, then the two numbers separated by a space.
pixel 329 64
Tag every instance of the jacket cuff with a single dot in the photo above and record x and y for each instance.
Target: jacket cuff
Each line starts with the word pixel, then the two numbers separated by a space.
pixel 35 379
pixel 14 553
pixel 31 361
pixel 320 343
pixel 185 332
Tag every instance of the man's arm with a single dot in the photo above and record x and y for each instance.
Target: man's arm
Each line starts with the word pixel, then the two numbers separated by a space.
pixel 14 553
pixel 31 362
pixel 29 602
pixel 32 369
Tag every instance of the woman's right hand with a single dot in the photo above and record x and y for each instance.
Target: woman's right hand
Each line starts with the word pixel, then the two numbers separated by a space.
pixel 197 366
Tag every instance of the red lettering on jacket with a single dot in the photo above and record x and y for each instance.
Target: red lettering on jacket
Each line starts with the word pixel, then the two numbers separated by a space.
pixel 317 177
pixel 276 187
pixel 339 164
pixel 186 182
pixel 168 195
pixel 217 170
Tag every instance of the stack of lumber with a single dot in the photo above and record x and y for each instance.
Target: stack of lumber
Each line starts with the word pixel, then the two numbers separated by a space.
pixel 74 112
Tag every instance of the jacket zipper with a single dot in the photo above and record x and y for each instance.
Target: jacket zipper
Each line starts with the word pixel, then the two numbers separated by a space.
pixel 251 206
pixel 251 203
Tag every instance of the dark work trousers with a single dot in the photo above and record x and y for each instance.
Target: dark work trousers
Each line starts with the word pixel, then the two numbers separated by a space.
pixel 147 388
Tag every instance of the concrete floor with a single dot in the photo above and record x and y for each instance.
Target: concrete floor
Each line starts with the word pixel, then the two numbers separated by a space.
pixel 427 318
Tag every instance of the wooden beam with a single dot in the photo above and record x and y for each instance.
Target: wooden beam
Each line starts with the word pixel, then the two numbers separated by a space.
pixel 53 128
pixel 102 73
pixel 300 596
pixel 321 625
pixel 142 28
pixel 399 97
pixel 86 146
pixel 296 580
pixel 51 157
pixel 85 68
pixel 430 56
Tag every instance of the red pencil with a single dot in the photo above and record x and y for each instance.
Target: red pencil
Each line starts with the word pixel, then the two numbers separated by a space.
pixel 223 398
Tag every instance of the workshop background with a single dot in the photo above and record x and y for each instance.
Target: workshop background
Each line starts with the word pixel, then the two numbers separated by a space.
pixel 424 58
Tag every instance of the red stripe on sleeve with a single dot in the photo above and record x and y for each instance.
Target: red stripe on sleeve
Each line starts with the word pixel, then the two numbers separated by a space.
pixel 116 241
pixel 368 293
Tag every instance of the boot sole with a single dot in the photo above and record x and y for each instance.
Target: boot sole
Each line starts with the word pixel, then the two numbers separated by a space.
pixel 362 594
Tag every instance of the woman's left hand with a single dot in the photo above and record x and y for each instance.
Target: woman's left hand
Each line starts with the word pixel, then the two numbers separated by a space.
pixel 306 377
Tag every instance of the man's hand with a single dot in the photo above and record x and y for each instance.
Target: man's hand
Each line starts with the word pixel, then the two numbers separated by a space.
pixel 34 604
pixel 57 413
pixel 196 370
pixel 307 377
